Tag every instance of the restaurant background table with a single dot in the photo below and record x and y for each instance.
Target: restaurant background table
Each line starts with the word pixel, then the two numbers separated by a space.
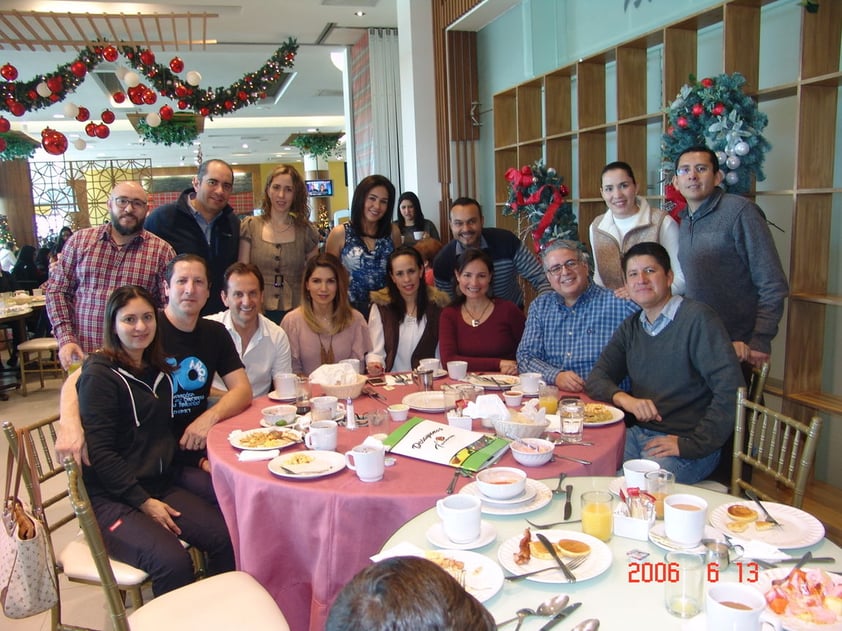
pixel 611 597
pixel 304 539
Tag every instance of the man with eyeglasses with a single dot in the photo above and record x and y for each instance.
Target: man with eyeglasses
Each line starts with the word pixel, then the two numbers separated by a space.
pixel 94 262
pixel 728 256
pixel 566 329
pixel 202 222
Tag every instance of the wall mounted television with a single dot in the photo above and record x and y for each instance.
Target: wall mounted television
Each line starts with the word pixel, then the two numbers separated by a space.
pixel 320 188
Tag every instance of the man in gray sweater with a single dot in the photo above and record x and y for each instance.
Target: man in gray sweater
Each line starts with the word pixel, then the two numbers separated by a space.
pixel 683 370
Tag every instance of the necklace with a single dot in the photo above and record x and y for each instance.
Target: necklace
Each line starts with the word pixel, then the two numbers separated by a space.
pixel 475 321
pixel 326 353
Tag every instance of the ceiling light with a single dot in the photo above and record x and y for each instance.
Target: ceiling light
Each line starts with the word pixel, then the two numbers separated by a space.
pixel 245 145
pixel 359 14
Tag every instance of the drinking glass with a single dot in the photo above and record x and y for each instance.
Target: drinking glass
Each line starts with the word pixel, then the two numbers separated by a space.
pixel 597 517
pixel 572 420
pixel 548 398
pixel 659 484
pixel 683 596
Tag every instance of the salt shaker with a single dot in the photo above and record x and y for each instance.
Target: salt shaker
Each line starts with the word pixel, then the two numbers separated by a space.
pixel 350 417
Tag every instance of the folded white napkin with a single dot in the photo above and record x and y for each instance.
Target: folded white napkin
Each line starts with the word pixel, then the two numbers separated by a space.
pixel 252 456
pixel 334 374
pixel 372 442
pixel 403 549
pixel 403 381
pixel 760 550
pixel 488 406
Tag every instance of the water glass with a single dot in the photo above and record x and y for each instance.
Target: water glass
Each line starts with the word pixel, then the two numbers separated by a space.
pixel 572 420
pixel 683 596
pixel 659 484
pixel 302 395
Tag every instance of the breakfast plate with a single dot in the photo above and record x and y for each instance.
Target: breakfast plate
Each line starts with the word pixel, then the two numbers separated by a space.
pixel 540 498
pixel 483 577
pixel 425 401
pixel 436 536
pixel 800 529
pixel 264 438
pixel 493 382
pixel 792 622
pixel 598 561
pixel 658 536
pixel 306 465
pixel 275 396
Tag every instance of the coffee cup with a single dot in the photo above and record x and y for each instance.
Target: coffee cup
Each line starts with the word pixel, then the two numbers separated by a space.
pixel 721 554
pixel 285 384
pixel 635 472
pixel 430 363
pixel 322 435
pixel 530 382
pixel 418 235
pixel 684 518
pixel 737 607
pixel 513 398
pixel 457 369
pixel 38 291
pixel 325 408
pixel 367 461
pixel 353 362
pixel 460 517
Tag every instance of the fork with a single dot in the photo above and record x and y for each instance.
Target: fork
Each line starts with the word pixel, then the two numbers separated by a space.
pixel 558 490
pixel 571 565
pixel 555 523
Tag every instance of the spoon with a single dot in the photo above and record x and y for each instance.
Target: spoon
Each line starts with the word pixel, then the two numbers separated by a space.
pixel 520 614
pixel 561 477
pixel 552 606
pixel 591 624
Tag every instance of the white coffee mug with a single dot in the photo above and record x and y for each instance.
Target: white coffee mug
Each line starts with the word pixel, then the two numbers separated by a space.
pixel 430 363
pixel 634 471
pixel 367 461
pixel 325 408
pixel 322 435
pixel 530 382
pixel 457 369
pixel 353 362
pixel 418 235
pixel 460 517
pixel 684 518
pixel 285 384
pixel 737 607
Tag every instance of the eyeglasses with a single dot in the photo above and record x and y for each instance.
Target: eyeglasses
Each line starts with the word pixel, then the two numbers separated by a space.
pixel 122 202
pixel 699 168
pixel 570 265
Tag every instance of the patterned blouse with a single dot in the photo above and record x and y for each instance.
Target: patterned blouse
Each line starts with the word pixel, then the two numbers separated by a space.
pixel 366 268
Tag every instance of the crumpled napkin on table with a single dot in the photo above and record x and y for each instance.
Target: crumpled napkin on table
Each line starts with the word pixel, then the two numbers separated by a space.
pixel 334 374
pixel 487 406
pixel 405 379
pixel 252 456
pixel 760 550
pixel 534 413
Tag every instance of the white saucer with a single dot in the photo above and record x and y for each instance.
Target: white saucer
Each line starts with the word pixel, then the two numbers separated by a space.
pixel 274 396
pixel 529 393
pixel 529 492
pixel 436 536
pixel 660 539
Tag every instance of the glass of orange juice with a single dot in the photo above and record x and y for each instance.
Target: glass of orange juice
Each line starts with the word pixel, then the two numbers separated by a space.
pixel 548 398
pixel 597 517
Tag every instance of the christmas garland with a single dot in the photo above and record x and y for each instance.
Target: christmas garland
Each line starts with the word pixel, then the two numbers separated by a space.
pixel 317 145
pixel 537 195
pixel 13 147
pixel 171 132
pixel 716 113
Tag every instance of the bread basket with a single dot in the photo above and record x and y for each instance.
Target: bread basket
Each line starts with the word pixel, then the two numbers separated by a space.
pixel 343 392
pixel 506 428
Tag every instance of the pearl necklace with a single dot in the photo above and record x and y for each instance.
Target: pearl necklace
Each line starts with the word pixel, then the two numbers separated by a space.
pixel 475 322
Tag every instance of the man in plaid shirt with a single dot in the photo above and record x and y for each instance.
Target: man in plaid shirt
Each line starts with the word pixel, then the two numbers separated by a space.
pixel 94 262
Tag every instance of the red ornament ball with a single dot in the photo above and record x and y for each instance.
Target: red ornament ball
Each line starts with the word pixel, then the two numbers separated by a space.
pixel 242 96
pixel 166 113
pixel 707 82
pixel 718 109
pixel 119 97
pixel 147 57
pixel 136 94
pixel 83 115
pixel 2 145
pixel 32 94
pixel 107 116
pixel 54 98
pixel 17 109
pixel 79 69
pixel 180 91
pixel 149 97
pixel 564 190
pixel 9 72
pixel 183 105
pixel 698 109
pixel 109 53
pixel 55 83
pixel 176 64
pixel 102 131
pixel 682 122
pixel 90 129
pixel 204 111
pixel 5 125
pixel 54 142
pixel 229 105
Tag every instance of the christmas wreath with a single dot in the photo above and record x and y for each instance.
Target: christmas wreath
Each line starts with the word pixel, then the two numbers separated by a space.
pixel 15 147
pixel 537 196
pixel 715 112
pixel 172 132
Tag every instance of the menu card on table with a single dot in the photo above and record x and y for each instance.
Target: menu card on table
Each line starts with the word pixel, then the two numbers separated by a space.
pixel 443 444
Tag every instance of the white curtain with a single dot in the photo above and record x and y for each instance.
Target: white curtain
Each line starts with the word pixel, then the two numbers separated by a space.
pixel 385 104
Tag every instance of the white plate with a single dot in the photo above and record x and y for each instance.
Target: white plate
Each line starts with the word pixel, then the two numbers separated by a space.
pixel 440 372
pixel 436 536
pixel 617 415
pixel 598 561
pixel 293 425
pixel 429 401
pixel 529 492
pixel 660 539
pixel 542 497
pixel 277 397
pixel 483 577
pixel 789 621
pixel 800 529
pixel 504 382
pixel 323 463
pixel 616 485
pixel 236 437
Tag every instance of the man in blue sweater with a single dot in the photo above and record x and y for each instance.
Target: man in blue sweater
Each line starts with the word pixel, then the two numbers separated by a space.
pixel 683 370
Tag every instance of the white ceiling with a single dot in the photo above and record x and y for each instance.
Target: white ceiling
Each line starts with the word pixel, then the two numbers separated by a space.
pixel 247 34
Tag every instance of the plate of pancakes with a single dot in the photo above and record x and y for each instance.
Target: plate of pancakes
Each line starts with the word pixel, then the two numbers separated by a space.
pixel 568 544
pixel 798 529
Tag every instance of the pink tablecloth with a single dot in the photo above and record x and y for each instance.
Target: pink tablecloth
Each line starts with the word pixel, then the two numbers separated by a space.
pixel 304 539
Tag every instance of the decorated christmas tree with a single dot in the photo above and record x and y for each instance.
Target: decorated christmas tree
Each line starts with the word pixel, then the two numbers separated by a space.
pixel 6 235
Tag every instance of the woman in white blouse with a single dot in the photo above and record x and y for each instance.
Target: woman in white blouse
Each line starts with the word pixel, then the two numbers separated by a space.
pixel 404 319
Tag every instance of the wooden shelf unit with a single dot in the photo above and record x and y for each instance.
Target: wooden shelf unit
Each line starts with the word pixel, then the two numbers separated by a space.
pixel 581 88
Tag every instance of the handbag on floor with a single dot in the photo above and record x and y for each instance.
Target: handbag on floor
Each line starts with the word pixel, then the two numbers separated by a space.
pixel 28 582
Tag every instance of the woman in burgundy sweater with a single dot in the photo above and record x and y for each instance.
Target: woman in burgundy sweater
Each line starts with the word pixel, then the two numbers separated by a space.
pixel 476 328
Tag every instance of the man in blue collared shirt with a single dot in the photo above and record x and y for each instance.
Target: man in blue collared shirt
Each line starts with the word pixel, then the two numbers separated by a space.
pixel 567 328
pixel 683 370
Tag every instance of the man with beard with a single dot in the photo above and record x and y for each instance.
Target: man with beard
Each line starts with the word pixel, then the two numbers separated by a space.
pixel 94 262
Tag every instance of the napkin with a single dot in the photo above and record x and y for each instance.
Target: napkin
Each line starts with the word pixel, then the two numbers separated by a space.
pixel 372 442
pixel 534 413
pixel 754 549
pixel 391 380
pixel 334 374
pixel 403 549
pixel 252 456
pixel 487 406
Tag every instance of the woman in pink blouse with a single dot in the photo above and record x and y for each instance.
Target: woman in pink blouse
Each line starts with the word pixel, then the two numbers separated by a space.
pixel 476 328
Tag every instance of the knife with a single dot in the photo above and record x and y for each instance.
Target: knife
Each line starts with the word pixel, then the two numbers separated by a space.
pixel 571 578
pixel 568 503
pixel 572 459
pixel 561 615
pixel 750 495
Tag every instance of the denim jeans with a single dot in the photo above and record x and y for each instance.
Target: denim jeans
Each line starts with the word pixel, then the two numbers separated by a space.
pixel 686 470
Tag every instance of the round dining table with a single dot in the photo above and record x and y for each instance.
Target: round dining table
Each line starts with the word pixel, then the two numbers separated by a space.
pixel 629 594
pixel 303 539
